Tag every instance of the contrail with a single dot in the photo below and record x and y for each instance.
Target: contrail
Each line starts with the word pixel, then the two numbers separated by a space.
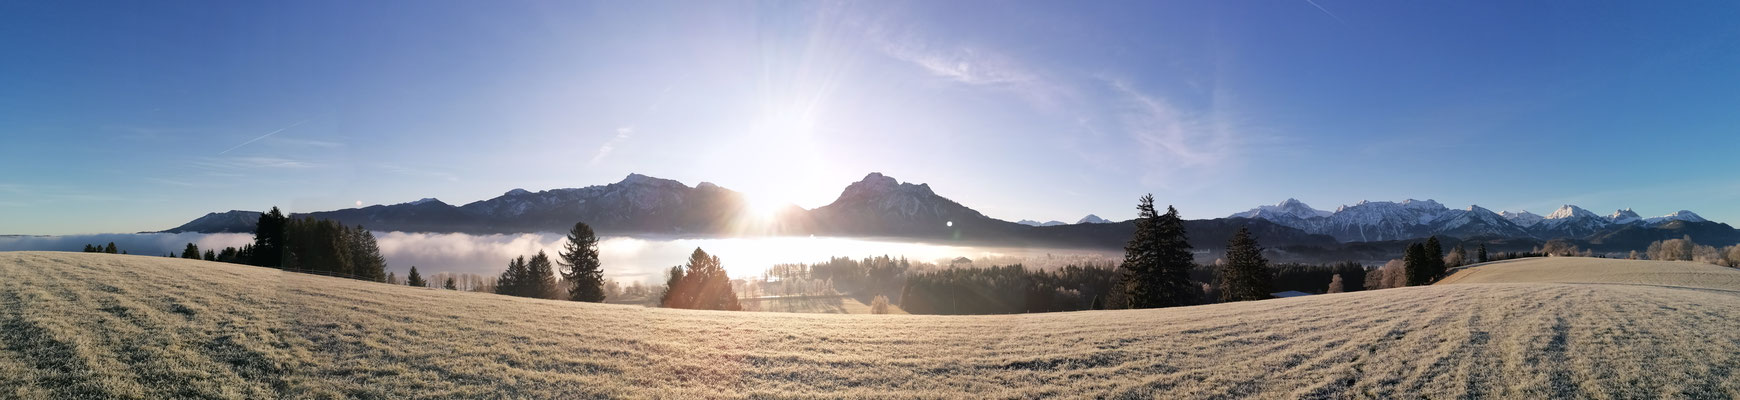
pixel 276 132
pixel 1326 12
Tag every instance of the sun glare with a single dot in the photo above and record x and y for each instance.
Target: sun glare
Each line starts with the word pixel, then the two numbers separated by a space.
pixel 764 207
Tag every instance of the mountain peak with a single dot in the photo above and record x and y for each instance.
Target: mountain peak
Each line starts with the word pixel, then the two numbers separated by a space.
pixel 876 178
pixel 1681 215
pixel 877 184
pixel 1093 219
pixel 427 200
pixel 516 192
pixel 1427 203
pixel 1286 208
pixel 1568 211
pixel 638 179
pixel 1624 216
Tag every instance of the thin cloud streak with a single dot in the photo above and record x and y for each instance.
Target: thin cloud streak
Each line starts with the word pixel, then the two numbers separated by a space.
pixel 263 137
pixel 622 135
pixel 233 163
pixel 1326 12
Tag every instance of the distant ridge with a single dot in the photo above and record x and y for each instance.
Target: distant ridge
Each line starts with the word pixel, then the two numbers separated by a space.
pixel 881 206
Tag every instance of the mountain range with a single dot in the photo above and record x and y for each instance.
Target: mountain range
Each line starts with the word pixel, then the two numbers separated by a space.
pixel 880 206
pixel 1409 219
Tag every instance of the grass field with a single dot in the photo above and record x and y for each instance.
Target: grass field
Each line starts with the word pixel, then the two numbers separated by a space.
pixel 838 304
pixel 1680 274
pixel 114 326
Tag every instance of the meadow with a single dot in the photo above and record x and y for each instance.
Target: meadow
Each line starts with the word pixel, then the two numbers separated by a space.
pixel 117 326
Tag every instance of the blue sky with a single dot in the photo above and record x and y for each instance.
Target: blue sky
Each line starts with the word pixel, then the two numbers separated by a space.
pixel 121 117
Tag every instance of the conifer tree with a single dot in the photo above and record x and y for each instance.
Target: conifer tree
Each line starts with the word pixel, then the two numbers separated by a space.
pixel 90 248
pixel 450 285
pixel 191 252
pixel 365 255
pixel 210 255
pixel 415 279
pixel 269 239
pixel 677 294
pixel 110 248
pixel 1435 259
pixel 701 284
pixel 1157 259
pixel 1415 262
pixel 580 267
pixel 1480 254
pixel 512 281
pixel 1245 274
pixel 541 277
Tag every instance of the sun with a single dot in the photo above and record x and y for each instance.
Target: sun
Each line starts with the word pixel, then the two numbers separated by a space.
pixel 763 207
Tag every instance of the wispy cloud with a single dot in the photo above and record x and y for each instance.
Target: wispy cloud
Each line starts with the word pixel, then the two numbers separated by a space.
pixel 622 135
pixel 306 142
pixel 235 163
pixel 268 134
pixel 1114 115
pixel 961 64
pixel 171 182
pixel 1166 133
pixel 1326 12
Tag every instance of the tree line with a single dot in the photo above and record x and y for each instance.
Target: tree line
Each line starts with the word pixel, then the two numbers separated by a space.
pixel 580 276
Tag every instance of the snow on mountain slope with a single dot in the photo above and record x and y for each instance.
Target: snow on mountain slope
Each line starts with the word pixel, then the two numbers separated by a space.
pixel 1289 207
pixel 1681 215
pixel 1030 222
pixel 1572 222
pixel 1476 221
pixel 1522 218
pixel 1625 216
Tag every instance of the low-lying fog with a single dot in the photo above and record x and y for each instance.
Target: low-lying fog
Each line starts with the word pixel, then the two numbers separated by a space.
pixel 625 258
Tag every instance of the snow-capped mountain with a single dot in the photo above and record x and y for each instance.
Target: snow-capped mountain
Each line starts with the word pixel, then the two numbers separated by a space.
pixel 1289 207
pixel 1681 215
pixel 1625 216
pixel 1410 219
pixel 1570 221
pixel 881 206
pixel 1523 218
pixel 1476 221
pixel 1381 220
pixel 1092 219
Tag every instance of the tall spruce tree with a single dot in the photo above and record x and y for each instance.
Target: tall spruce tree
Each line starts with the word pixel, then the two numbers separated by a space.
pixel 677 293
pixel 540 277
pixel 450 285
pixel 191 252
pixel 210 255
pixel 512 281
pixel 580 267
pixel 415 279
pixel 701 284
pixel 1480 254
pixel 1414 261
pixel 1245 275
pixel 269 237
pixel 1435 258
pixel 110 248
pixel 1157 259
pixel 365 255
